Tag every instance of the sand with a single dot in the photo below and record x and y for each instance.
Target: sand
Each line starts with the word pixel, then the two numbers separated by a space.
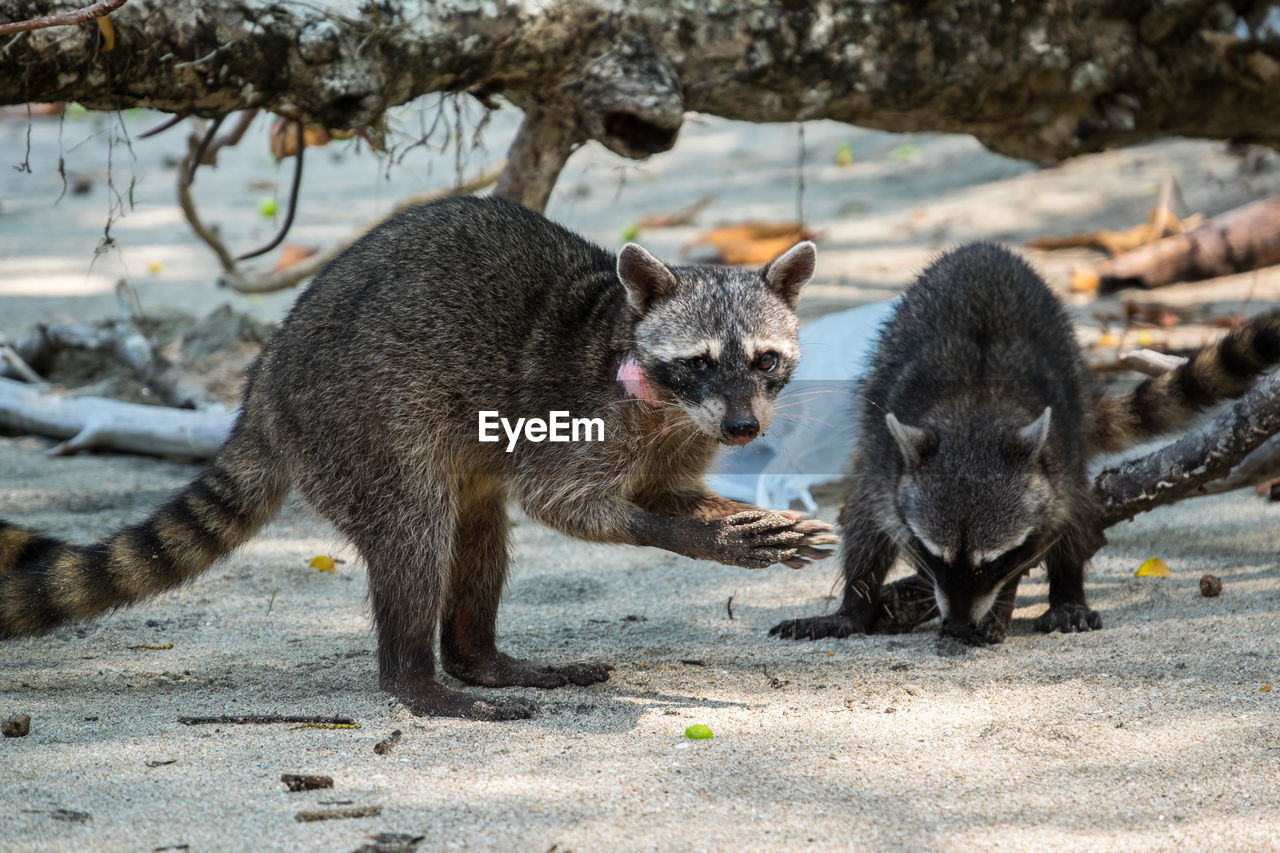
pixel 1158 732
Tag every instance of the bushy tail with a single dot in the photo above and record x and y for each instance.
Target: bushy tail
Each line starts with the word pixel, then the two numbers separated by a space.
pixel 1222 370
pixel 44 582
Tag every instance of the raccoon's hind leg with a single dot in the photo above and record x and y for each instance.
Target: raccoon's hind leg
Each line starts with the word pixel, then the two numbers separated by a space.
pixel 405 536
pixel 866 556
pixel 468 638
pixel 1068 612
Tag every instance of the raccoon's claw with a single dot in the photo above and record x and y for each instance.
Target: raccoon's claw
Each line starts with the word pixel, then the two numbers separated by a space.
pixel 817 627
pixel 755 539
pixel 1068 618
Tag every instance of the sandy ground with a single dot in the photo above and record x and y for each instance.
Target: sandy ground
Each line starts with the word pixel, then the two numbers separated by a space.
pixel 1159 732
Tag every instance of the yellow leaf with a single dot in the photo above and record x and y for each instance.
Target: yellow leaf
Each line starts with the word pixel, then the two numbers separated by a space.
pixel 1152 568
pixel 108 34
pixel 1145 339
pixel 323 563
pixel 1084 281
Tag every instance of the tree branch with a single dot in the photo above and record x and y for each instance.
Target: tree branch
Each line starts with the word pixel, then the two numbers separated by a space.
pixel 79 16
pixel 1179 469
pixel 1040 81
pixel 87 422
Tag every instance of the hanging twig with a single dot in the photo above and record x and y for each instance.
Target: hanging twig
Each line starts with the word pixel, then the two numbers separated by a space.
pixel 293 201
pixel 291 276
pixel 63 19
pixel 188 205
pixel 203 148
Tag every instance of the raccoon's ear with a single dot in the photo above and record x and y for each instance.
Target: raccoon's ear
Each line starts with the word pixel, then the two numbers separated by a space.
pixel 914 442
pixel 646 278
pixel 1029 440
pixel 789 272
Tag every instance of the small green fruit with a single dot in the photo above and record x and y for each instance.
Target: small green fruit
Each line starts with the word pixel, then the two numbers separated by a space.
pixel 267 206
pixel 630 231
pixel 698 732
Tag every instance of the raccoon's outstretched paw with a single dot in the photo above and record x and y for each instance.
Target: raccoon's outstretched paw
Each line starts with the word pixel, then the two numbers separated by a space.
pixel 430 698
pixel 1068 618
pixel 755 539
pixel 818 627
pixel 506 671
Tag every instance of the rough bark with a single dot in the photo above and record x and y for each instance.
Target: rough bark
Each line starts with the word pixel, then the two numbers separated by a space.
pixel 1178 470
pixel 1038 80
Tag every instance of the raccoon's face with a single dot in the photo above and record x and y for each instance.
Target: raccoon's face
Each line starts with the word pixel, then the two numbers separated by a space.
pixel 717 343
pixel 974 502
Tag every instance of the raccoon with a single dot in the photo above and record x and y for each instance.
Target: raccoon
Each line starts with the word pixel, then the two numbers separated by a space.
pixel 977 418
pixel 366 402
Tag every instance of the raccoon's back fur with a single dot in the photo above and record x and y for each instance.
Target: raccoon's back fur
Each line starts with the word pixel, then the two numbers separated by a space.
pixel 977 418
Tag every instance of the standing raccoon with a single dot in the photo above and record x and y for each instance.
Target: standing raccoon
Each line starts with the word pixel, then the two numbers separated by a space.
pixel 367 401
pixel 976 421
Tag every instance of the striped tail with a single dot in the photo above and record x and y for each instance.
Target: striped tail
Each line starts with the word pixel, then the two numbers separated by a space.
pixel 44 582
pixel 1223 370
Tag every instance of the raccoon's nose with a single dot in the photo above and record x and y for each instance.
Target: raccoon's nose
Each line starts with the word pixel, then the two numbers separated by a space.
pixel 958 626
pixel 739 430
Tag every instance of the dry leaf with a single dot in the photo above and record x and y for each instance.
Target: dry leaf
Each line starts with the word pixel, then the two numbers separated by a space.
pixel 1084 281
pixel 683 216
pixel 323 563
pixel 282 140
pixel 108 34
pixel 753 242
pixel 1153 567
pixel 1266 688
pixel 292 254
pixel 1106 339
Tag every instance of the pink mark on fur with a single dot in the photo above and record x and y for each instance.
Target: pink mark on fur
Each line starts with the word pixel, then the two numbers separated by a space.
pixel 634 382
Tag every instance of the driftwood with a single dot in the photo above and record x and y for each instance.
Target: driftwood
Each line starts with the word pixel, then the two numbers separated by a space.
pixel 97 422
pixel 1239 240
pixel 1180 469
pixel 1149 362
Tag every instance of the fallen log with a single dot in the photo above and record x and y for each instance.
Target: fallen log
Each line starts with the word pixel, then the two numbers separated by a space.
pixel 1242 239
pixel 97 422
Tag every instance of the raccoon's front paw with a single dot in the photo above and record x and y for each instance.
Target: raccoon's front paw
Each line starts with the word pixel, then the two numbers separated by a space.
pixel 818 627
pixel 755 539
pixel 1068 618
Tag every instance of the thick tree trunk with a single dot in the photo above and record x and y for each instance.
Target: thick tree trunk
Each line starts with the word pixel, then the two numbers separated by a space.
pixel 1038 80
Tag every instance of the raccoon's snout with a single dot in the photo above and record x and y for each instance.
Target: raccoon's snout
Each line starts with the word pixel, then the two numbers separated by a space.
pixel 956 625
pixel 738 429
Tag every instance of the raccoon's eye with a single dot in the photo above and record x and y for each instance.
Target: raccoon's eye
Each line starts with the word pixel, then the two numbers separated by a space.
pixel 767 362
pixel 698 364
